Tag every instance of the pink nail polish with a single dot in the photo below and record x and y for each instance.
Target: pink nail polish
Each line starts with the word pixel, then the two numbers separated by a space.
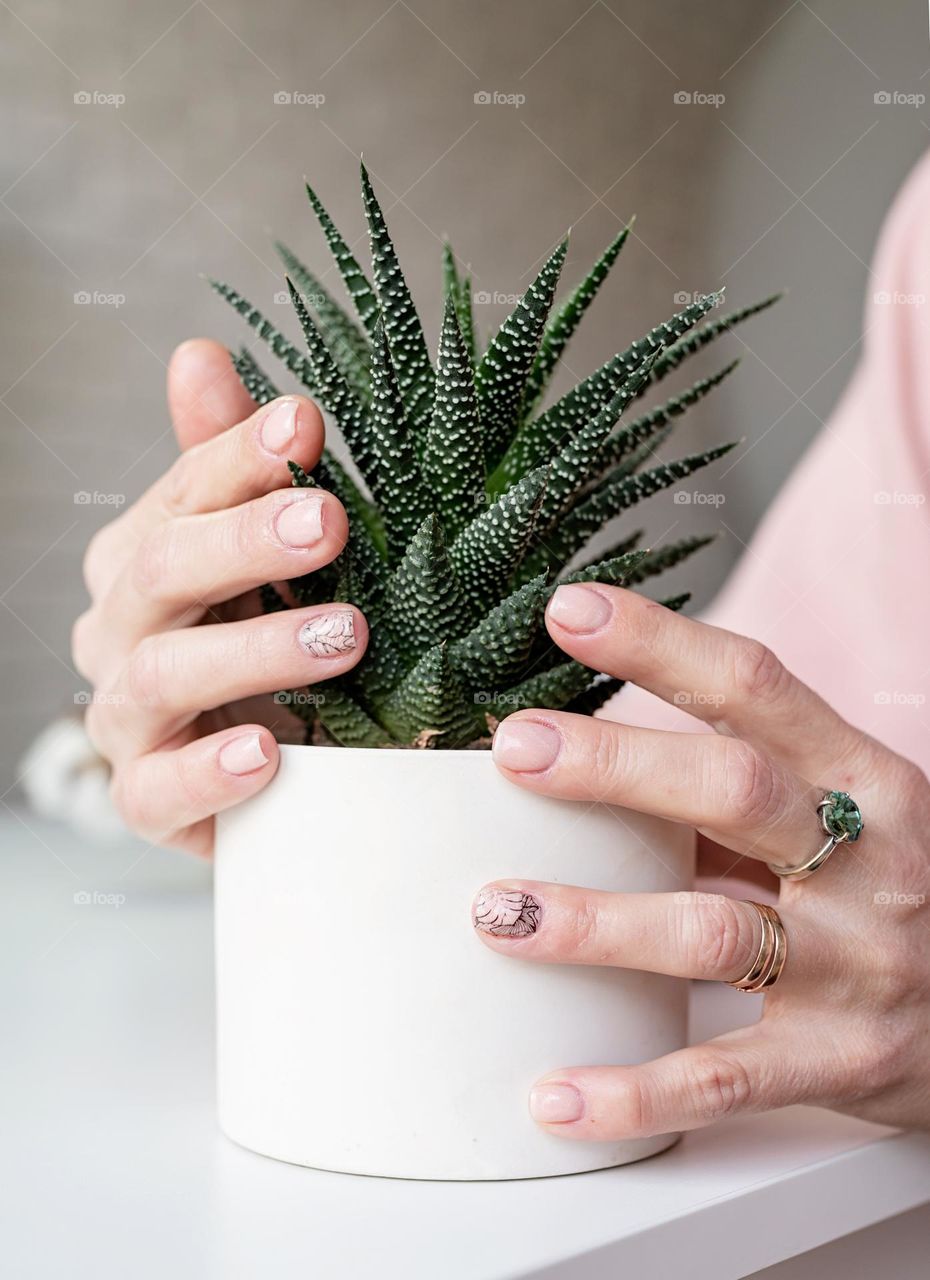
pixel 300 523
pixel 279 428
pixel 243 755
pixel 579 608
pixel 506 913
pixel 328 635
pixel 555 1103
pixel 526 746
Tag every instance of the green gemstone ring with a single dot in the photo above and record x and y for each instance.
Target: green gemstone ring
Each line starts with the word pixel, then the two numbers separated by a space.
pixel 842 821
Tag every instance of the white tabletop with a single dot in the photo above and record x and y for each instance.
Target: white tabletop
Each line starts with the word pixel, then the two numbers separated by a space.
pixel 112 1164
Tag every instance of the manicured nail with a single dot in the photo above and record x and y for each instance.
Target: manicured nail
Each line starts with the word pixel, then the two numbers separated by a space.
pixel 526 746
pixel 555 1103
pixel 242 755
pixel 579 608
pixel 300 524
pixel 506 913
pixel 327 635
pixel 279 428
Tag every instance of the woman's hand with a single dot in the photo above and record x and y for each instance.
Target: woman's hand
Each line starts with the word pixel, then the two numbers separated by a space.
pixel 174 641
pixel 848 1024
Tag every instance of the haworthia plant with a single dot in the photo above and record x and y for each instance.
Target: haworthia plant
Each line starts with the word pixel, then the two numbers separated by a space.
pixel 470 501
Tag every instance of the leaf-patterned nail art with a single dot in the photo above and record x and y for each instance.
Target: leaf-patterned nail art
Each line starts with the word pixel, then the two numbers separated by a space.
pixel 328 634
pixel 506 913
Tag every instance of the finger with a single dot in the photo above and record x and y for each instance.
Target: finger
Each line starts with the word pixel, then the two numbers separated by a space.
pixel 243 463
pixel 187 565
pixel 732 683
pixel 205 394
pixel 172 678
pixel 727 789
pixel 752 1070
pixel 686 935
pixel 718 868
pixel 170 797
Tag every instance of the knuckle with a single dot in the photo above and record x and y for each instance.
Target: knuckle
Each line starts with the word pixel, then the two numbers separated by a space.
pixel 82 645
pixel 717 1086
pixel 721 940
pixel 153 561
pixel 94 560
pixel 754 790
pixel 607 758
pixel 758 674
pixel 130 801
pixel 145 674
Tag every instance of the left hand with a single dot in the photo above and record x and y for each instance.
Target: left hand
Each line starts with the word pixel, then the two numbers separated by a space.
pixel 848 1024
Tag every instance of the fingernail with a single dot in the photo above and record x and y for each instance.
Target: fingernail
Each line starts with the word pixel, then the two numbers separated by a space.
pixel 327 635
pixel 579 608
pixel 526 746
pixel 555 1103
pixel 243 755
pixel 279 428
pixel 505 913
pixel 300 524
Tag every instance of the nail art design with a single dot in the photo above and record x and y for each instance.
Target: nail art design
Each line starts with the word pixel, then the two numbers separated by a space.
pixel 506 913
pixel 329 634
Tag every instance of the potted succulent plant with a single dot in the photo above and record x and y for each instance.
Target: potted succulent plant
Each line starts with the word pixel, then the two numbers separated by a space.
pixel 361 1025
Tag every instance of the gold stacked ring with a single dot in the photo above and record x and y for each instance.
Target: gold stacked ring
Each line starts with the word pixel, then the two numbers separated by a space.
pixel 766 969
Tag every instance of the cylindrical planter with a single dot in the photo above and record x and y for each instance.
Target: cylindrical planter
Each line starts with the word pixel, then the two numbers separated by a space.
pixel 363 1027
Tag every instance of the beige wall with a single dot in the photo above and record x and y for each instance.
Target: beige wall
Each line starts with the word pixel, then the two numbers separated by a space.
pixel 187 173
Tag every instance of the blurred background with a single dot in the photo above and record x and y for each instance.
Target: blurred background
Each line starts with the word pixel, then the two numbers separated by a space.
pixel 759 144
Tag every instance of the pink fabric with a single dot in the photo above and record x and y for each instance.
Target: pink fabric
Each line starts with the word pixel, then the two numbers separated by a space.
pixel 837 578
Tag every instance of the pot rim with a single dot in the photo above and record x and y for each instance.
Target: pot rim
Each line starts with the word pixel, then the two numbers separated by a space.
pixel 480 753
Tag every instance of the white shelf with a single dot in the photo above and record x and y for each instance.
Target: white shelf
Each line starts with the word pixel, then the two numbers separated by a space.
pixel 112 1164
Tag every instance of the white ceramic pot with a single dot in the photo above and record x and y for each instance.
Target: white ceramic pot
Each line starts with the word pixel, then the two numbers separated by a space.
pixel 363 1027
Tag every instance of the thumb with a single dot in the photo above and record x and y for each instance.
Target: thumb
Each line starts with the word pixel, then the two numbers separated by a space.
pixel 205 395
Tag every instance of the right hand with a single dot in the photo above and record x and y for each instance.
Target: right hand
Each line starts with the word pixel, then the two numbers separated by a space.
pixel 175 642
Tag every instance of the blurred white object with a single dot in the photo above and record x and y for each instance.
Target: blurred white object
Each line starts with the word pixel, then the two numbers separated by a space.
pixel 64 778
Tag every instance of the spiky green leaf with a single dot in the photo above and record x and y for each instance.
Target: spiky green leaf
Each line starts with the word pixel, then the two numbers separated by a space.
pixel 562 326
pixel 537 440
pixel 429 706
pixel 423 602
pixel 489 550
pixel 344 720
pixel 453 459
pixel 253 378
pixel 354 278
pixel 495 651
pixel 645 427
pixel 282 346
pixel 348 344
pixel 696 341
pixel 401 321
pixel 395 478
pixel 502 374
pixel 553 689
